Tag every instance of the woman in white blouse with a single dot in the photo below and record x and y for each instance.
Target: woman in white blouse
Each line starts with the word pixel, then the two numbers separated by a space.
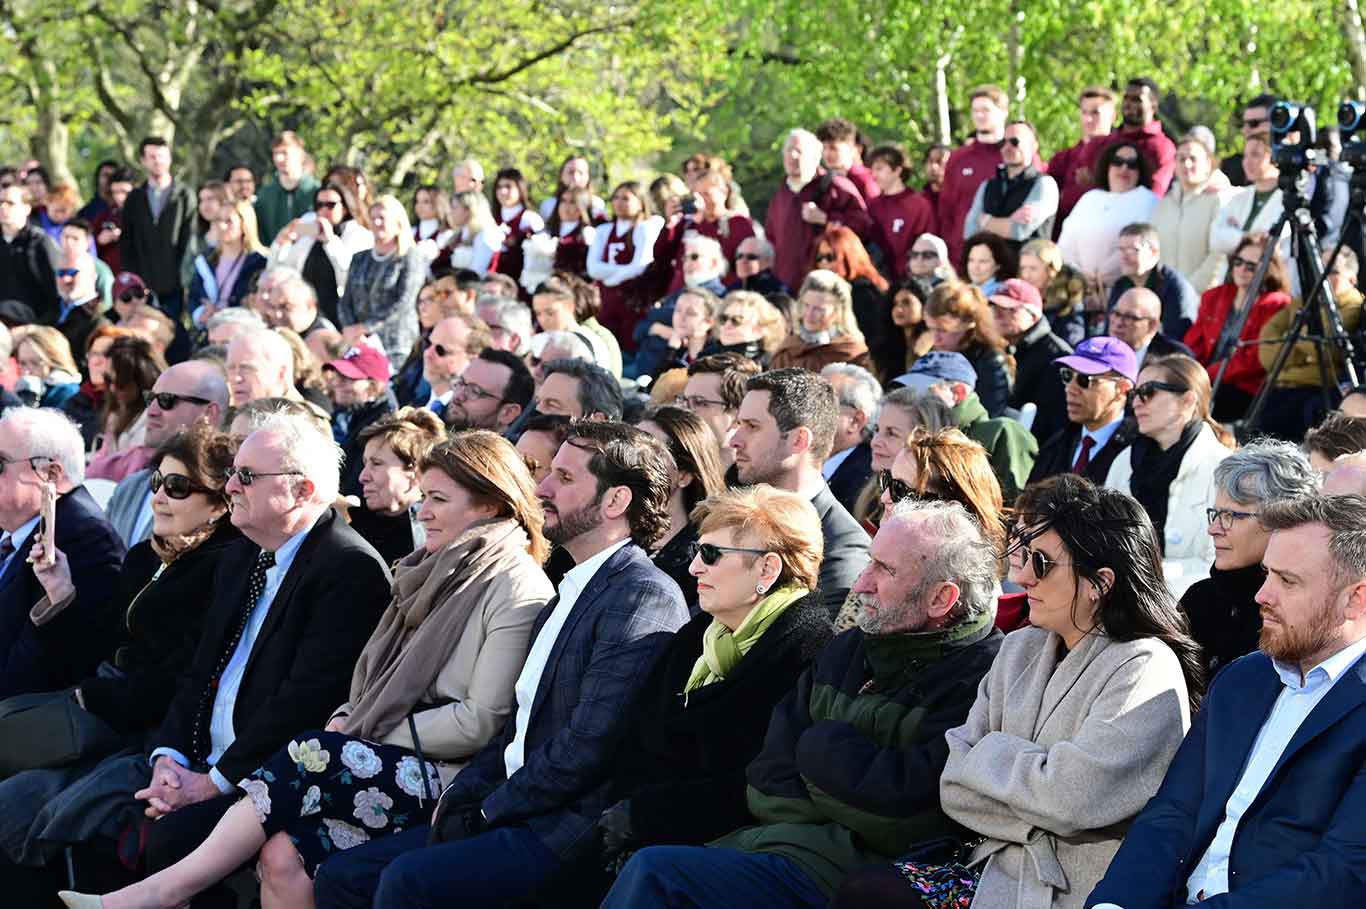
pixel 1123 195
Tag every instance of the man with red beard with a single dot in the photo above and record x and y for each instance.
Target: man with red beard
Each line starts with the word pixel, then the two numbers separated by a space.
pixel 1265 803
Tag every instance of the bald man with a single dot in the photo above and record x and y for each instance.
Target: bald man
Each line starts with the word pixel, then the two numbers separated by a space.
pixel 1136 319
pixel 1346 476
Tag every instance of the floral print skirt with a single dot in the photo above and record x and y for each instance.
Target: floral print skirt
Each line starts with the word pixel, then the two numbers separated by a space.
pixel 330 792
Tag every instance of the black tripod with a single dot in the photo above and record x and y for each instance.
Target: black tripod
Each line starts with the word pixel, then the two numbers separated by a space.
pixel 1319 319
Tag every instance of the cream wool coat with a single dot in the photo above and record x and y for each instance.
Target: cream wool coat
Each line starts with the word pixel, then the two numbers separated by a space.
pixel 1060 752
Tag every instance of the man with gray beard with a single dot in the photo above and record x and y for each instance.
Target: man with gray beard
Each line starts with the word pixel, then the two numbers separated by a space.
pixel 832 792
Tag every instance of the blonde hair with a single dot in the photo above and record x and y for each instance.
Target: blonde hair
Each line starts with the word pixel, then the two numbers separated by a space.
pixel 481 215
pixel 774 520
pixel 772 326
pixel 828 282
pixel 251 229
pixel 397 215
pixel 50 343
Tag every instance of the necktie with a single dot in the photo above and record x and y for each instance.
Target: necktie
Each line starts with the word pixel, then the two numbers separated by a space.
pixel 439 408
pixel 1084 458
pixel 6 549
pixel 256 585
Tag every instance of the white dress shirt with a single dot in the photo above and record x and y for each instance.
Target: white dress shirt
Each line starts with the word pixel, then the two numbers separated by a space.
pixel 221 732
pixel 833 462
pixel 18 538
pixel 571 587
pixel 1101 437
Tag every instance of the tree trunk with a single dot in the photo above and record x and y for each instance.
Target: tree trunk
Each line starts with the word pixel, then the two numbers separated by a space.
pixel 941 98
pixel 1350 11
pixel 1015 53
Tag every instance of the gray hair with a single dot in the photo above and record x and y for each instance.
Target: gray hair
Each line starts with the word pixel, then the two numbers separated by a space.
pixel 512 316
pixel 235 315
pixel 571 345
pixel 1265 471
pixel 863 392
pixel 704 244
pixel 805 137
pixel 50 434
pixel 1345 518
pixel 764 248
pixel 304 446
pixel 959 552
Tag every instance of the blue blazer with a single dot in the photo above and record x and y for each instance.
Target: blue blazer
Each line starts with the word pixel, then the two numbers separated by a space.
pixel 67 648
pixel 1302 841
pixel 609 644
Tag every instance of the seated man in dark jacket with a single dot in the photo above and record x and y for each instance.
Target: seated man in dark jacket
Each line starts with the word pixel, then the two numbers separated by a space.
pixel 520 816
pixel 358 384
pixel 1265 802
pixel 1098 376
pixel 1017 309
pixel 832 791
pixel 1139 255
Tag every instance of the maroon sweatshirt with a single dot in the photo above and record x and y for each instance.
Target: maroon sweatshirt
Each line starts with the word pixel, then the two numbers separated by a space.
pixel 899 219
pixel 967 168
pixel 791 236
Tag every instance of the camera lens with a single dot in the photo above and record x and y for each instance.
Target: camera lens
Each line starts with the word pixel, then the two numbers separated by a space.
pixel 1350 114
pixel 1282 115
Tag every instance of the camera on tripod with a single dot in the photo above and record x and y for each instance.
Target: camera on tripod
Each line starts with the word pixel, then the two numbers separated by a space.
pixel 1293 135
pixel 1352 122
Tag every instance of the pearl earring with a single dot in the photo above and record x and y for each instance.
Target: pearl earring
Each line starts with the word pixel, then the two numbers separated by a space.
pixel 760 589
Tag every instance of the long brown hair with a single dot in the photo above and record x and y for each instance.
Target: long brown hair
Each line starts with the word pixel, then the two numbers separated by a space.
pixel 851 258
pixel 133 369
pixel 1180 369
pixel 1276 276
pixel 953 468
pixel 693 445
pixel 486 464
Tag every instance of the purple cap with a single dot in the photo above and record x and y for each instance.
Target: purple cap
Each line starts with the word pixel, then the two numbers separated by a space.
pixel 1102 354
pixel 938 366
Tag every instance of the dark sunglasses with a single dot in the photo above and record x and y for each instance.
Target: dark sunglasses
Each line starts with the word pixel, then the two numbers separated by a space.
pixel 736 321
pixel 128 296
pixel 1131 163
pixel 246 476
pixel 889 484
pixel 178 486
pixel 68 272
pixel 324 204
pixel 1068 375
pixel 1012 140
pixel 443 351
pixel 747 257
pixel 924 254
pixel 1253 122
pixel 1038 563
pixel 167 401
pixel 1147 390
pixel 825 257
pixel 1240 262
pixel 710 553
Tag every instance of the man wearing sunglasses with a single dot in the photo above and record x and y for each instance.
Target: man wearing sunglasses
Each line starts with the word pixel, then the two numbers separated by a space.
pixel 39 447
pixel 754 267
pixel 1097 378
pixel 1256 118
pixel 1140 265
pixel 452 344
pixel 1017 202
pixel 183 393
pixel 784 431
pixel 79 301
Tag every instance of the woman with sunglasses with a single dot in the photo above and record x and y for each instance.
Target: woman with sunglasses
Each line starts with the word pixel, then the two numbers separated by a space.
pixel 702 715
pixel 1211 336
pixel 825 330
pixel 133 369
pixel 928 264
pixel 321 246
pixel 155 612
pixel 1169 467
pixel 1123 195
pixel 1224 615
pixel 839 249
pixel 747 325
pixel 699 476
pixel 432 686
pixel 1076 722
pixel 960 321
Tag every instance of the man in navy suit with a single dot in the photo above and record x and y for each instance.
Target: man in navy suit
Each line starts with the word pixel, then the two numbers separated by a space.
pixel 1265 802
pixel 60 642
pixel 519 818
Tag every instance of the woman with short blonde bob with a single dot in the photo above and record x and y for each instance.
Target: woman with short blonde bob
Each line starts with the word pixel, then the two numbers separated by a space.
pixel 433 685
pixel 382 284
pixel 826 331
pixel 44 358
pixel 703 713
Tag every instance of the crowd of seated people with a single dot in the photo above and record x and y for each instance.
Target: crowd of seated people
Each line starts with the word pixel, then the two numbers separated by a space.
pixel 944 537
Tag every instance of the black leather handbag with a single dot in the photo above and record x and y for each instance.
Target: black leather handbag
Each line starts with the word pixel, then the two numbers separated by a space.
pixel 50 729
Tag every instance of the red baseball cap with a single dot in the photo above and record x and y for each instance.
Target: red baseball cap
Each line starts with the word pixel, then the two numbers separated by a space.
pixel 362 362
pixel 125 281
pixel 1014 293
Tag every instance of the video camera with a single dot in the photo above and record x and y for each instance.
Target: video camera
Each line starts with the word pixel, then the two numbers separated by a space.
pixel 1352 121
pixel 1293 135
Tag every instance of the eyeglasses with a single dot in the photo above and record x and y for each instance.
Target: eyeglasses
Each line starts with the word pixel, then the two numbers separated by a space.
pixel 68 272
pixel 168 401
pixel 1038 562
pixel 1119 315
pixel 178 486
pixel 825 257
pixel 246 476
pixel 1068 375
pixel 889 484
pixel 710 553
pixel 696 402
pixel 1226 516
pixel 128 296
pixel 1240 262
pixel 927 254
pixel 1253 122
pixel 1147 390
pixel 5 462
pixel 1130 163
pixel 747 257
pixel 469 389
pixel 323 204
pixel 444 351
pixel 733 320
pixel 1013 141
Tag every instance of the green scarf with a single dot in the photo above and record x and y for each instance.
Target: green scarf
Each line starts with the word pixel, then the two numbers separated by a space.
pixel 723 648
pixel 894 659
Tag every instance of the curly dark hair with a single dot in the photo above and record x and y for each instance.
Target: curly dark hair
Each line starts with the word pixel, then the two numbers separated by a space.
pixel 625 456
pixel 1103 528
pixel 1107 157
pixel 206 453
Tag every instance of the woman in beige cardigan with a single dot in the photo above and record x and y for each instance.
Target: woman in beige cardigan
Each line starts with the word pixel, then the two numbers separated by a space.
pixel 433 685
pixel 1079 716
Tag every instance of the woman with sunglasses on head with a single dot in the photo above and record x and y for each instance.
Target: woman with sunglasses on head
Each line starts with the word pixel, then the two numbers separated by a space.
pixel 1211 336
pixel 1075 724
pixel 1169 467
pixel 960 321
pixel 699 476
pixel 432 686
pixel 702 715
pixel 1123 195
pixel 1224 615
pixel 155 613
pixel 839 249
pixel 825 330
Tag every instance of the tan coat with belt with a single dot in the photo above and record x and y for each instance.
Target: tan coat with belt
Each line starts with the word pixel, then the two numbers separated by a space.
pixel 1059 753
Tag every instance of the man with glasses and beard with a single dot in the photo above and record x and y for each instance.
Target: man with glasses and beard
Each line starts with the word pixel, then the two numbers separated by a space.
pixel 1097 378
pixel 492 392
pixel 1265 802
pixel 517 822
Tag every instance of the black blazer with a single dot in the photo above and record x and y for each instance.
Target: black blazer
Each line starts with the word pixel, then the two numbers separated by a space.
pixel 158 631
pixel 153 250
pixel 682 765
pixel 68 647
pixel 300 665
pixel 1055 455
pixel 850 477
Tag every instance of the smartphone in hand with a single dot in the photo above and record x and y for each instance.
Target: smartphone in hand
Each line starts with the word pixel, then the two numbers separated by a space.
pixel 48 525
